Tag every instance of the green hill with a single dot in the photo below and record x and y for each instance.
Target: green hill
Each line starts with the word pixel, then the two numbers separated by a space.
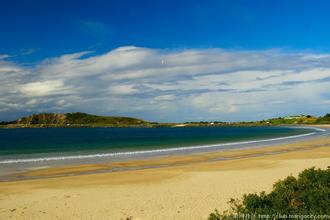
pixel 83 118
pixel 77 119
pixel 324 120
pixel 296 119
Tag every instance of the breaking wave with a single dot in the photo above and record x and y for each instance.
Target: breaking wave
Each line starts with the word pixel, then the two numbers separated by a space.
pixel 148 152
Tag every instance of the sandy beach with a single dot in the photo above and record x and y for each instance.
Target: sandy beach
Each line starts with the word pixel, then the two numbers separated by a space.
pixel 182 187
pixel 164 110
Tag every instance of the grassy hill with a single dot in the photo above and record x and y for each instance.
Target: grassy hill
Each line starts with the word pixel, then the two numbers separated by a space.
pixel 296 119
pixel 287 120
pixel 77 119
pixel 324 120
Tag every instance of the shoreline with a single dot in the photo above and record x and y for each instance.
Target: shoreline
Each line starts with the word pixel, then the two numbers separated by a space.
pixel 189 188
pixel 12 168
pixel 281 145
pixel 161 150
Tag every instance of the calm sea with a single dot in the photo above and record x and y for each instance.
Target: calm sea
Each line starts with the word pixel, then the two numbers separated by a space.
pixel 22 144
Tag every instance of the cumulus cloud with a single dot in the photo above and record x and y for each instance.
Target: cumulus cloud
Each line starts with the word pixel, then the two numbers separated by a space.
pixel 44 88
pixel 171 85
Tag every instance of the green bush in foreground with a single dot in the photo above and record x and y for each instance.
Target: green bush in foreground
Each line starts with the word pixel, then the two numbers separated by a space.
pixel 307 195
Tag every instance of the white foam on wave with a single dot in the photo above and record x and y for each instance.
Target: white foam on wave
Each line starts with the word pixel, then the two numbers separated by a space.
pixel 306 127
pixel 164 150
pixel 319 129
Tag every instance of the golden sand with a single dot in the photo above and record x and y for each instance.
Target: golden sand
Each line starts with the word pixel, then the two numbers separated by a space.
pixel 188 187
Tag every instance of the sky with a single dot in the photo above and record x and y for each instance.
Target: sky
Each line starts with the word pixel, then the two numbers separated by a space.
pixel 165 60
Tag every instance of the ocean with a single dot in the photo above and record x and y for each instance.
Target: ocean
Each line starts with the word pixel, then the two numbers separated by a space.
pixel 51 144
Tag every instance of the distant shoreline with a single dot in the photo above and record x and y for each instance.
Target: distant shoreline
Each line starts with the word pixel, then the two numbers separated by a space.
pixel 160 125
pixel 79 119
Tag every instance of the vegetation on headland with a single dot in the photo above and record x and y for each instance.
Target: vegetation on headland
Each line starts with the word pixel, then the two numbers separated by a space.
pixel 324 120
pixel 288 120
pixel 307 195
pixel 79 119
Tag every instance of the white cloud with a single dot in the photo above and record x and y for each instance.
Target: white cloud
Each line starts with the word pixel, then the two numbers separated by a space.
pixel 171 84
pixel 32 102
pixel 43 88
pixel 123 89
pixel 165 97
pixel 214 103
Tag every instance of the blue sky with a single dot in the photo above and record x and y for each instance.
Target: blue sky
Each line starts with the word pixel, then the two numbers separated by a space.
pixel 165 60
pixel 57 27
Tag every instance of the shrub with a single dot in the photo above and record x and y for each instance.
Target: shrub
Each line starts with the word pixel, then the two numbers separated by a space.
pixel 309 194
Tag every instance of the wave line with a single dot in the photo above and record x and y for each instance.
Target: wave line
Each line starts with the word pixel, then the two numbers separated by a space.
pixel 129 153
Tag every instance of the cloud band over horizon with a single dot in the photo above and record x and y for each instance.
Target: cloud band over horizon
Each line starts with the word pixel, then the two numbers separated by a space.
pixel 169 84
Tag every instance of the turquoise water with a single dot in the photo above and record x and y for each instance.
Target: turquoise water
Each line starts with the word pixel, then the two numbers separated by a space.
pixel 29 143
